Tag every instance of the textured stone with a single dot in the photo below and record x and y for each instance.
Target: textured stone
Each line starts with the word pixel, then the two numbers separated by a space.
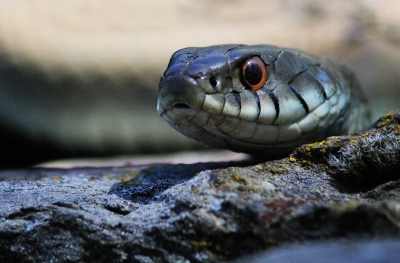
pixel 375 251
pixel 204 212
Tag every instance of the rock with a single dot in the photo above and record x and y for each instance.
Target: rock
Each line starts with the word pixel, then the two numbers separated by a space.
pixel 204 212
pixel 364 160
pixel 375 251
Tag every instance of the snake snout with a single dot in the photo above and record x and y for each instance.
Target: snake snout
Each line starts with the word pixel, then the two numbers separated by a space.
pixel 180 92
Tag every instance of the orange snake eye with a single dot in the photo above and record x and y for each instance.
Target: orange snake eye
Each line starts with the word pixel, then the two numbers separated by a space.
pixel 254 73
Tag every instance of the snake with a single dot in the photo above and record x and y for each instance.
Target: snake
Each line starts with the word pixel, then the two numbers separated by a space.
pixel 260 99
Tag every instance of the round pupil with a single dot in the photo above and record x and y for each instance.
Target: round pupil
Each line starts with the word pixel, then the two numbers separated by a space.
pixel 252 74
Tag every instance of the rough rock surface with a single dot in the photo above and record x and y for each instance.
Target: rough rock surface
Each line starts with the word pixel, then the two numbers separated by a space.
pixel 362 251
pixel 205 212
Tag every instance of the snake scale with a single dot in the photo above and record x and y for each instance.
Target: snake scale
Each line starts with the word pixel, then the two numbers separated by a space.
pixel 259 99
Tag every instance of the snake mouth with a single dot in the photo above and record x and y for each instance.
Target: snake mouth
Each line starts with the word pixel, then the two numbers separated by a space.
pixel 181 105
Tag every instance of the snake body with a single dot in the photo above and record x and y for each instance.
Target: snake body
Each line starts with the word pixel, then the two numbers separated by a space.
pixel 260 99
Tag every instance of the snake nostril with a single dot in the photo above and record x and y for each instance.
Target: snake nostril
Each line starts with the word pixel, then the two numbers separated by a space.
pixel 182 106
pixel 213 81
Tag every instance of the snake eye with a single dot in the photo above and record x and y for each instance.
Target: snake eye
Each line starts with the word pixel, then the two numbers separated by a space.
pixel 254 73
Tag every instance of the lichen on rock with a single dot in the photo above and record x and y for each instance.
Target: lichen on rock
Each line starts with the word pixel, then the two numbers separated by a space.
pixel 369 159
pixel 359 160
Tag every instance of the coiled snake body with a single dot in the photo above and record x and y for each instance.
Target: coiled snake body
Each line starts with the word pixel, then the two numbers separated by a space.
pixel 259 99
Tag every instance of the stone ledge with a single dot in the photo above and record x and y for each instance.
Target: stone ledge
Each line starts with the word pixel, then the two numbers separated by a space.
pixel 204 212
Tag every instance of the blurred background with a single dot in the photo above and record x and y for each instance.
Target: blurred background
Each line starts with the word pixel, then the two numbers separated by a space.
pixel 80 78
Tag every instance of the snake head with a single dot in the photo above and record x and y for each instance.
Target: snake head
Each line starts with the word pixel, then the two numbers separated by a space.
pixel 257 99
